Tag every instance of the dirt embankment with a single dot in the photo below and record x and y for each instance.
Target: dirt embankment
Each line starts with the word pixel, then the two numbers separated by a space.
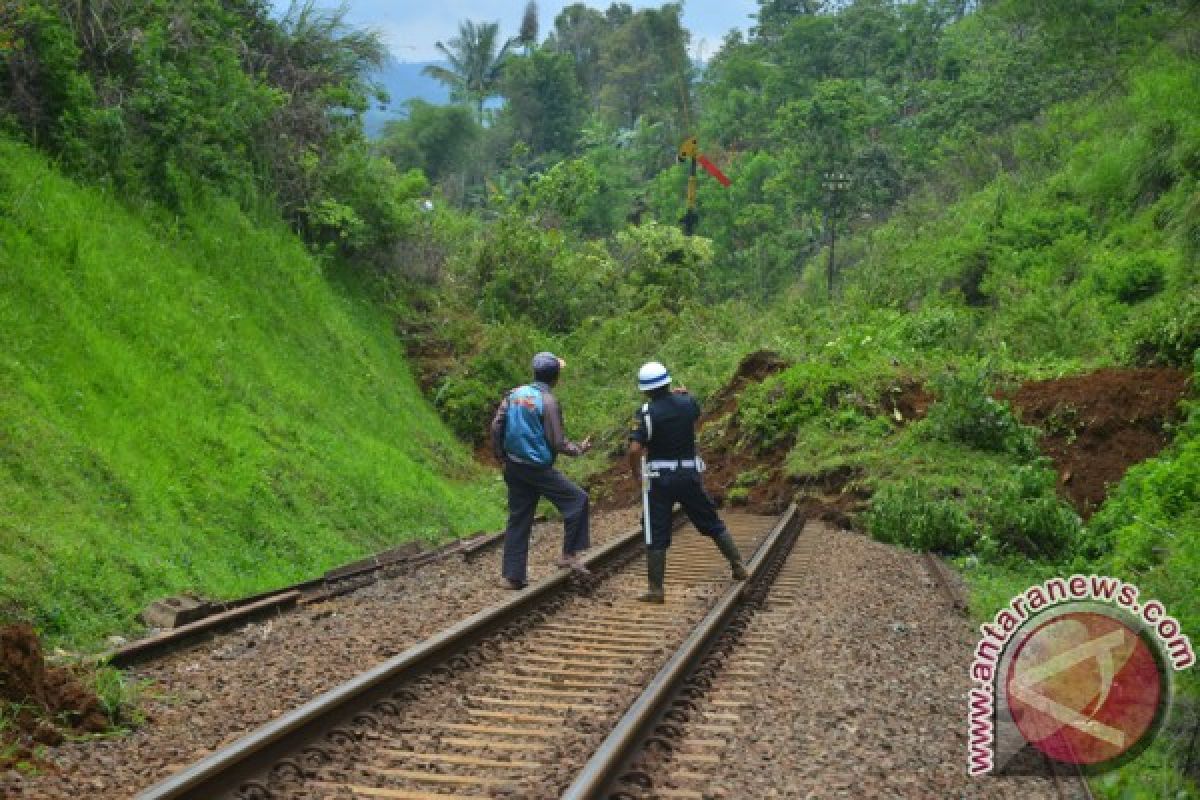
pixel 1096 426
pixel 46 702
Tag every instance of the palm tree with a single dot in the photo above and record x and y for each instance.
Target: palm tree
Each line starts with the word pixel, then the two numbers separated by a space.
pixel 475 63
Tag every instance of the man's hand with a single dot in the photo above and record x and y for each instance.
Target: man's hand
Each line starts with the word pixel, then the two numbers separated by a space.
pixel 634 457
pixel 680 390
pixel 585 445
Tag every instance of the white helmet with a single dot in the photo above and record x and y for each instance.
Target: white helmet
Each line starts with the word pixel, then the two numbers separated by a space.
pixel 653 375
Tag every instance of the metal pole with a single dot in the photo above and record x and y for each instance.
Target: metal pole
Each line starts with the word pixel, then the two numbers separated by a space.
pixel 831 220
pixel 645 501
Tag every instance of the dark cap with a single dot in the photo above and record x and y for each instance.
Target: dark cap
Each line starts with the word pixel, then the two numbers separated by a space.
pixel 547 365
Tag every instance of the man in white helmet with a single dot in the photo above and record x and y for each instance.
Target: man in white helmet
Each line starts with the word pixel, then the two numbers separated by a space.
pixel 664 431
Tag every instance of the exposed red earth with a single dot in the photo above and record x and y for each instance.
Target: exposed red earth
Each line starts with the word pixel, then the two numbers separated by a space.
pixel 49 701
pixel 1096 426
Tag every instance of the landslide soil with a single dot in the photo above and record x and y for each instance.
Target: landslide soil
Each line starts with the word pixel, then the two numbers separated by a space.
pixel 1094 427
pixel 45 703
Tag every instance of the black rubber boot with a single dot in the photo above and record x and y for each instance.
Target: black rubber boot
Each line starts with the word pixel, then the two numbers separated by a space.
pixel 729 549
pixel 656 569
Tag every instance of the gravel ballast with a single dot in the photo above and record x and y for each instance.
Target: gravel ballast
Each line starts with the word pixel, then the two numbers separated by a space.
pixel 853 685
pixel 207 695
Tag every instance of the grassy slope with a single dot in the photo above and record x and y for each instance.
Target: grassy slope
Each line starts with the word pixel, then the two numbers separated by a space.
pixel 187 403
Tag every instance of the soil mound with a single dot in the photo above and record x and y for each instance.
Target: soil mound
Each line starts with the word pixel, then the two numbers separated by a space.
pixel 754 368
pixel 1096 426
pixel 906 401
pixel 47 699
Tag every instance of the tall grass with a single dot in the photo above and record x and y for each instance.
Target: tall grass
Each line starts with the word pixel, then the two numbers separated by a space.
pixel 187 403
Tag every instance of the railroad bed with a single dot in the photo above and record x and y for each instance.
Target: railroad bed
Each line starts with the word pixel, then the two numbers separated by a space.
pixel 836 670
pixel 507 705
pixel 699 750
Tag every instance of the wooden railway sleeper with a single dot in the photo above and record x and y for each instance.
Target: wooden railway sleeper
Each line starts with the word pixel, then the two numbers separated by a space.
pixel 286 772
pixel 669 731
pixel 254 791
pixel 315 757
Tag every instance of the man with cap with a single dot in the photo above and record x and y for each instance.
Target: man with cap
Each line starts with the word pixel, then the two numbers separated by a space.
pixel 664 430
pixel 527 436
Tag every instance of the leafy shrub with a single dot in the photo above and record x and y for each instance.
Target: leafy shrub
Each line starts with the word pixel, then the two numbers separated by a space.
pixel 912 514
pixel 522 271
pixel 937 327
pixel 1132 277
pixel 1169 335
pixel 468 397
pixel 772 411
pixel 751 477
pixel 464 403
pixel 1023 515
pixel 967 412
pixel 661 266
pixel 1017 513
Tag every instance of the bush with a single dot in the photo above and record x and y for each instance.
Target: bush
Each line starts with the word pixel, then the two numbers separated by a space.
pixel 1167 336
pixel 911 514
pixel 661 266
pixel 1132 277
pixel 1023 515
pixel 522 271
pixel 1017 513
pixel 771 412
pixel 967 412
pixel 465 403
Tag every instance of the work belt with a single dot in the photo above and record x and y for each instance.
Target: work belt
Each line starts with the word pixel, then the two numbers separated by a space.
pixel 688 463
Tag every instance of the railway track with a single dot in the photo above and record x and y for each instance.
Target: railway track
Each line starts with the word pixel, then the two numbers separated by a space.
pixel 679 754
pixel 682 752
pixel 220 617
pixel 510 703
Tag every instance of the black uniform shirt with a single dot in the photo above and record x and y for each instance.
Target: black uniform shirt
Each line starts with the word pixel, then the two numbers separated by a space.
pixel 671 432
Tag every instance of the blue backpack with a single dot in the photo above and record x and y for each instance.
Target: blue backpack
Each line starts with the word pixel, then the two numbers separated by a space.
pixel 524 434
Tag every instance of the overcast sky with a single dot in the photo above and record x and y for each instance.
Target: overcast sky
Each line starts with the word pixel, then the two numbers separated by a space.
pixel 411 27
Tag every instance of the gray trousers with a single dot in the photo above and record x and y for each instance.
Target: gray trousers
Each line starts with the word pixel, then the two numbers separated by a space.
pixel 526 485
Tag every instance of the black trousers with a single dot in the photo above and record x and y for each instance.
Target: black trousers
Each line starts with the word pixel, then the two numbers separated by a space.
pixel 683 486
pixel 526 485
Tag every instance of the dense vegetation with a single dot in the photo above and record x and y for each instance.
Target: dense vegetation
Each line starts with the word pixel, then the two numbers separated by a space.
pixel 1021 202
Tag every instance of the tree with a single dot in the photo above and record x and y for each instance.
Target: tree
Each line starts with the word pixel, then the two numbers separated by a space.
pixel 433 139
pixel 476 63
pixel 529 27
pixel 545 104
pixel 580 32
pixel 645 64
pixel 774 16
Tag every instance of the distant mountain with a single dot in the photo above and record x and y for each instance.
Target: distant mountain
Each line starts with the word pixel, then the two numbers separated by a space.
pixel 404 81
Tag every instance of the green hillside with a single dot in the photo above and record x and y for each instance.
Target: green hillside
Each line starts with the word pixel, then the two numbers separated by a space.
pixel 188 403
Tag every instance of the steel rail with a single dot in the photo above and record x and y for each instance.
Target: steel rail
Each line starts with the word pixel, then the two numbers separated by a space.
pixel 614 754
pixel 252 757
pixel 335 582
